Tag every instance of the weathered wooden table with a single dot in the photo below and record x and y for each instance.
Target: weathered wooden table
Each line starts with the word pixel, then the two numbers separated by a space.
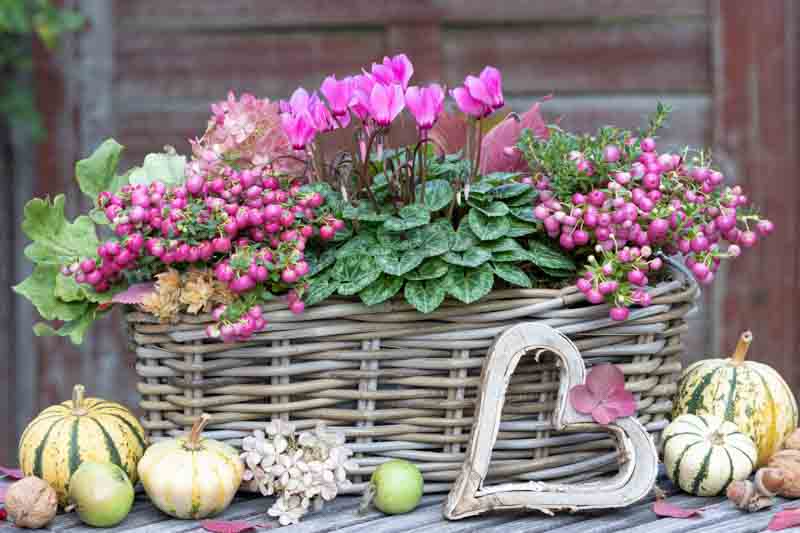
pixel 341 516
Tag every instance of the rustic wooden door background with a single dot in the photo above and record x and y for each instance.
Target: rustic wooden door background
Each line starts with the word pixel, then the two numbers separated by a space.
pixel 145 71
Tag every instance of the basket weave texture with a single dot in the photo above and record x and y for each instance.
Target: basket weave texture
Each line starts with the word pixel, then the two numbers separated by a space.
pixel 401 384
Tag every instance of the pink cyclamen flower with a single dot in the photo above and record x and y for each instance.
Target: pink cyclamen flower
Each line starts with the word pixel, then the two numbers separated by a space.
pixel 385 103
pixel 338 93
pixel 425 104
pixel 397 69
pixel 469 105
pixel 299 129
pixel 603 395
pixel 321 115
pixel 297 104
pixel 362 89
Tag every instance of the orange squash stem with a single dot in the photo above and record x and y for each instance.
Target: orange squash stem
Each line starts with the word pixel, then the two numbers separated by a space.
pixel 197 429
pixel 740 354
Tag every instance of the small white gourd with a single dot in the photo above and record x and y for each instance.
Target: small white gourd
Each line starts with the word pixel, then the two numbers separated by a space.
pixel 191 477
pixel 704 454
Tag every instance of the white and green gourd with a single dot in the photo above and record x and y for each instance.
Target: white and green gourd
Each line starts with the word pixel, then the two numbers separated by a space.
pixel 191 477
pixel 704 454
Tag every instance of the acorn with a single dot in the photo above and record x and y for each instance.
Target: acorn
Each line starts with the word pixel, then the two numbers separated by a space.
pixel 31 503
pixel 758 494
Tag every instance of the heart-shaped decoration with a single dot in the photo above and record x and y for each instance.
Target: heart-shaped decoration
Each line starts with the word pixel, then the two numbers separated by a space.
pixel 638 459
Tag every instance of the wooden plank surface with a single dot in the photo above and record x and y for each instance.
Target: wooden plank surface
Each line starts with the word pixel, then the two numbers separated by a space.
pixel 341 515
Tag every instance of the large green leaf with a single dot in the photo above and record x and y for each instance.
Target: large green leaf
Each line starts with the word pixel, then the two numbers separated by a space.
pixel 465 239
pixel 524 213
pixel 469 284
pixel 510 190
pixel 355 273
pixel 433 239
pixel 438 194
pixel 523 199
pixel 358 245
pixel 409 216
pixel 168 168
pixel 487 228
pixel 471 258
pixel 363 212
pixel 56 241
pixel 69 290
pixel 74 329
pixel 512 274
pixel 318 263
pixel 520 228
pixel 40 289
pixel 97 172
pixel 506 244
pixel 393 240
pixel 381 289
pixel 431 268
pixel 426 295
pixel 546 256
pixel 399 263
pixel 511 256
pixel 320 289
pixel 491 209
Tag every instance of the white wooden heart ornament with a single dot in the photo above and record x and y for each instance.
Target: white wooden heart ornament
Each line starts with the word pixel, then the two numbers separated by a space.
pixel 637 456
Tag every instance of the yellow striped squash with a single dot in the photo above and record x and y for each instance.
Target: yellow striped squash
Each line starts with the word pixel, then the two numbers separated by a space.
pixel 751 395
pixel 63 436
pixel 191 477
pixel 704 454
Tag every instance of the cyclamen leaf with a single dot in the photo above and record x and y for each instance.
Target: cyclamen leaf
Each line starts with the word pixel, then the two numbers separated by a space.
pixel 319 289
pixel 425 296
pixel 394 241
pixel 55 240
pixel 168 168
pixel 666 509
pixel 524 199
pixel 134 294
pixel 494 209
pixel 357 245
pixel 398 264
pixel 431 268
pixel 409 216
pixel 487 228
pixel 511 256
pixel 433 239
pixel 512 274
pixel 364 213
pixel 506 244
pixel 97 172
pixel 469 284
pixel 785 519
pixel 381 289
pixel 355 273
pixel 319 263
pixel 438 194
pixel 520 228
pixel 510 190
pixel 465 238
pixel 524 213
pixel 40 289
pixel 231 526
pixel 547 257
pixel 471 258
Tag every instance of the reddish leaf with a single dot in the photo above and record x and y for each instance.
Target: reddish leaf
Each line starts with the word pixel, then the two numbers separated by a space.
pixel 3 494
pixel 449 133
pixel 231 526
pixel 603 395
pixel 498 152
pixel 785 519
pixel 134 294
pixel 3 514
pixel 664 508
pixel 13 473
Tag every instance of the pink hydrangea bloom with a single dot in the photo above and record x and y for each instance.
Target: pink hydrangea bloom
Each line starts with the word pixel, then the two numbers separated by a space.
pixel 603 395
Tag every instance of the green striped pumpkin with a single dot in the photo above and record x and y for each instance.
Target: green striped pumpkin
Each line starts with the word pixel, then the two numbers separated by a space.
pixel 63 436
pixel 704 454
pixel 751 395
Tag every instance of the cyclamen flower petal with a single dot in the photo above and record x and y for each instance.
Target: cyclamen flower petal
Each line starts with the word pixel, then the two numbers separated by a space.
pixel 397 69
pixel 467 104
pixel 323 121
pixel 493 82
pixel 338 93
pixel 425 104
pixel 299 129
pixel 385 103
pixel 478 90
pixel 299 100
pixel 362 88
pixel 603 395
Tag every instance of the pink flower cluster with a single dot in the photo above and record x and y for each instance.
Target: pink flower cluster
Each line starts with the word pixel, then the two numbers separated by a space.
pixel 377 97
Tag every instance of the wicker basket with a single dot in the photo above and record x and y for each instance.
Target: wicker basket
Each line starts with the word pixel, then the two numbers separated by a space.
pixel 402 384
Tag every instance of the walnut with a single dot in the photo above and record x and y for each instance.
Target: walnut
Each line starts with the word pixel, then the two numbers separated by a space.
pixel 31 503
pixel 788 462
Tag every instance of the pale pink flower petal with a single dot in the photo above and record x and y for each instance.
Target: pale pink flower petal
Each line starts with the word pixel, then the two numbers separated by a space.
pixel 467 104
pixel 582 399
pixel 603 379
pixel 134 294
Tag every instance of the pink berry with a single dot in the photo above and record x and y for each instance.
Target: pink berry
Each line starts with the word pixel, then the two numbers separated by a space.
pixel 619 313
pixel 648 144
pixel 297 307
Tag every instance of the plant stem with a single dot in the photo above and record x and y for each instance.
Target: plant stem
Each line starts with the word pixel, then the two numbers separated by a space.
pixel 740 354
pixel 194 437
pixel 78 409
pixel 478 152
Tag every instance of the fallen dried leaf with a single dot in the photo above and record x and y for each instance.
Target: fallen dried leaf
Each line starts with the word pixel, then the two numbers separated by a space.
pixel 666 509
pixel 13 473
pixel 785 519
pixel 134 294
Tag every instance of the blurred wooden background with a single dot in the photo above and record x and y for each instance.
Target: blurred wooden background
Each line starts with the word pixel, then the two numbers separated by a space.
pixel 145 72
